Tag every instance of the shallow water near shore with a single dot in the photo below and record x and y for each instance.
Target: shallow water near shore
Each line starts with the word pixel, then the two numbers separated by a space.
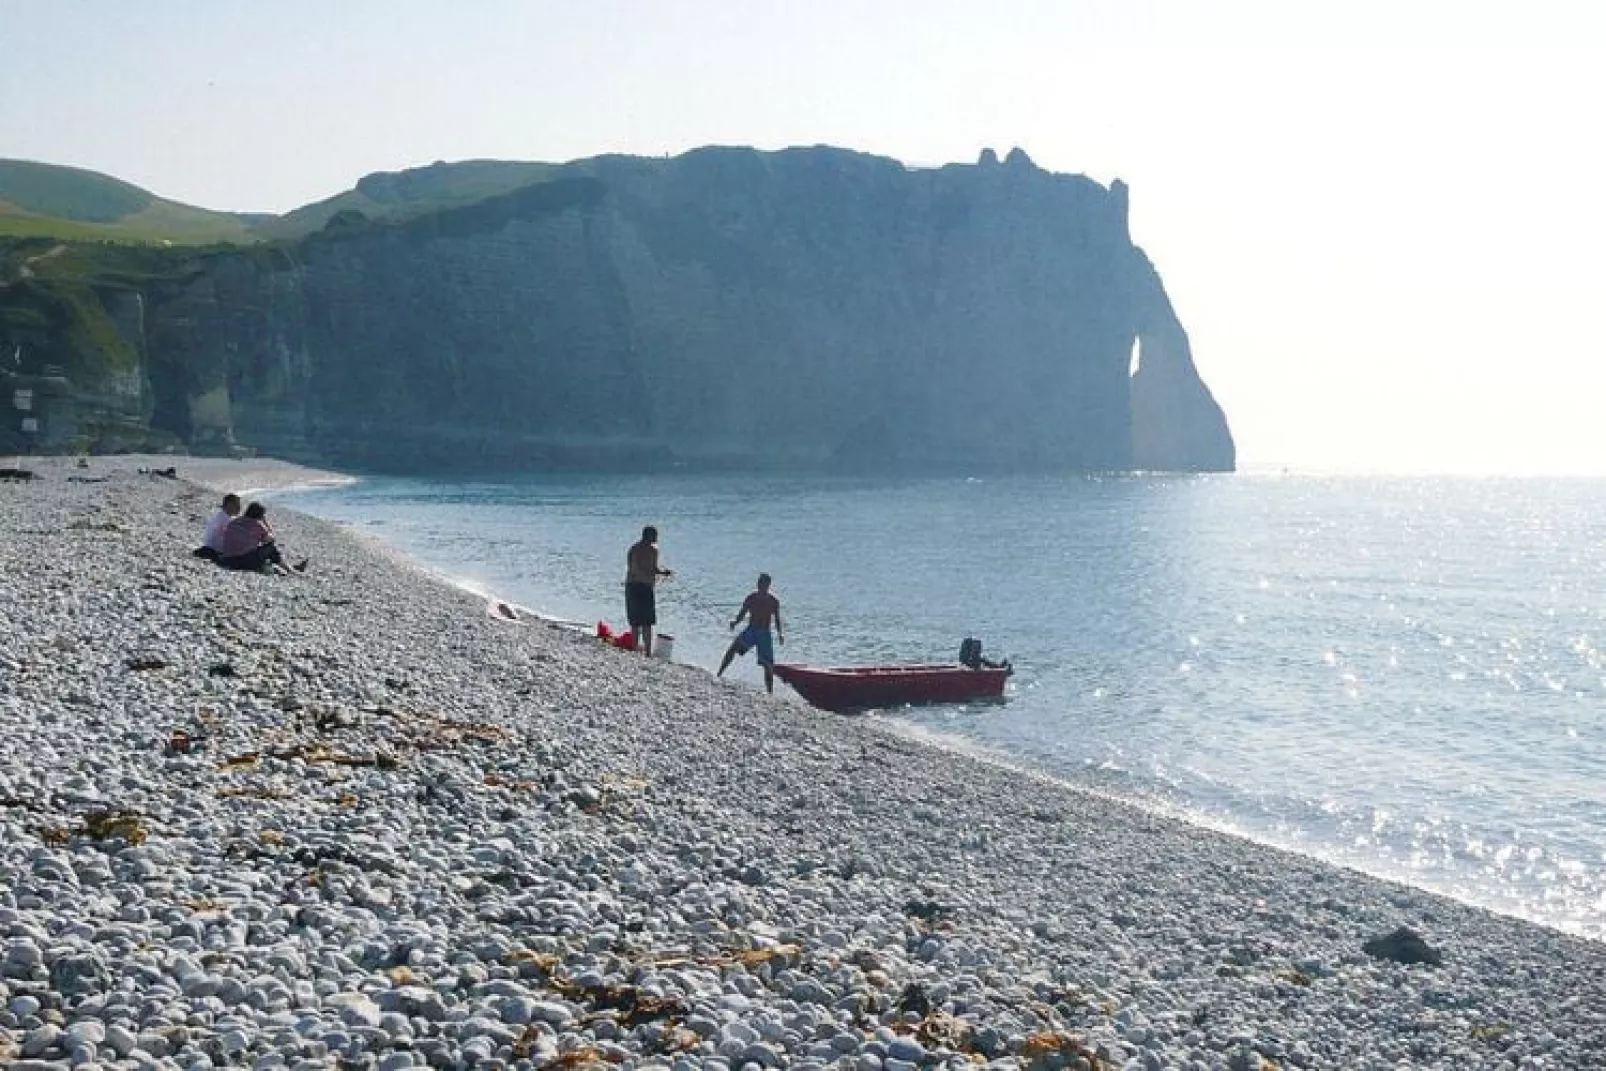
pixel 1403 675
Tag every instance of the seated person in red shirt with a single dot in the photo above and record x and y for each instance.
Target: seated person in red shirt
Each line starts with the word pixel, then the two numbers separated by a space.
pixel 248 544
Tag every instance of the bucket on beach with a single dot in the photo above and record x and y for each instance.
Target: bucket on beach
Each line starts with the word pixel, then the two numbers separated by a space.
pixel 663 646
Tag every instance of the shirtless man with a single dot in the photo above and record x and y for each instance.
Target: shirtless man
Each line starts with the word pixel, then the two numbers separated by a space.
pixel 641 576
pixel 760 608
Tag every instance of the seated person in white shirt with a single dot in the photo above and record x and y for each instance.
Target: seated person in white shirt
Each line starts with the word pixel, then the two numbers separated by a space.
pixel 211 547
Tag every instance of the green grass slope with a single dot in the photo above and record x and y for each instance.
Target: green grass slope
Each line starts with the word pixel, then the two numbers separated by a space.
pixel 39 200
pixel 399 195
pixel 72 204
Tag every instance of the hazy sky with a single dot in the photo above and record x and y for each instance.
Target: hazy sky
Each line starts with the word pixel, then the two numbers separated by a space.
pixel 1382 223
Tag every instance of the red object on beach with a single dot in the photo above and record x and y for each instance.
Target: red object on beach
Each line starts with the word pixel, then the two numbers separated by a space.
pixel 603 631
pixel 843 689
pixel 625 641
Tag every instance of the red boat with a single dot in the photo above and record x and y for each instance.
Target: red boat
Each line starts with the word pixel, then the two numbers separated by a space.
pixel 842 689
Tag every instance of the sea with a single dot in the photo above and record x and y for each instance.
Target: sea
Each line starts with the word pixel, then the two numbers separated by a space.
pixel 1402 675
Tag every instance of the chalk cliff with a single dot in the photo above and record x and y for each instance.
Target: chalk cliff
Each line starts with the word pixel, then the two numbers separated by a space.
pixel 810 308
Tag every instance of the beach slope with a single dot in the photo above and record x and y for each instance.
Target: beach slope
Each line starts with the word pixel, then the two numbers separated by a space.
pixel 351 819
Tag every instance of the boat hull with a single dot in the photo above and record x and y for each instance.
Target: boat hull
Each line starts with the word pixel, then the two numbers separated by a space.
pixel 844 689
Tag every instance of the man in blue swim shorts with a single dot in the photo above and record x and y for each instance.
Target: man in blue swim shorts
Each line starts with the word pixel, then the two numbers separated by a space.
pixel 760 608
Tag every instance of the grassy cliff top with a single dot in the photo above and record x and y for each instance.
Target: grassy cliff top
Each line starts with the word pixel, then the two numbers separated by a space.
pixel 40 200
pixel 395 195
pixel 70 203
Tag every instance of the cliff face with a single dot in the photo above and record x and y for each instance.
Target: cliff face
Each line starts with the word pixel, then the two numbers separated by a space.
pixel 1175 420
pixel 812 308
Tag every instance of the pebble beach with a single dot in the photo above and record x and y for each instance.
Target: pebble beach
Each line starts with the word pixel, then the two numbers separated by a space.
pixel 353 820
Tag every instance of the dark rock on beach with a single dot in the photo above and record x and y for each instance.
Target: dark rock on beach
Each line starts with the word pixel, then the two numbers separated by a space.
pixel 1404 945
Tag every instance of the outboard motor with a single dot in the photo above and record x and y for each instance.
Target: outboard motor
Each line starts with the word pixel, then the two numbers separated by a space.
pixel 970 653
pixel 970 657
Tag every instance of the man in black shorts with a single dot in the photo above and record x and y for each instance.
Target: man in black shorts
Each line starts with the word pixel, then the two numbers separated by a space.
pixel 641 576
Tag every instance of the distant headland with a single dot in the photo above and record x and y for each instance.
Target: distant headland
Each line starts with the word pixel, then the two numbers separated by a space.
pixel 811 308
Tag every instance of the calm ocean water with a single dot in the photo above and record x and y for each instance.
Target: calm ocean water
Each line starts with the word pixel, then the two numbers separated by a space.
pixel 1404 675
